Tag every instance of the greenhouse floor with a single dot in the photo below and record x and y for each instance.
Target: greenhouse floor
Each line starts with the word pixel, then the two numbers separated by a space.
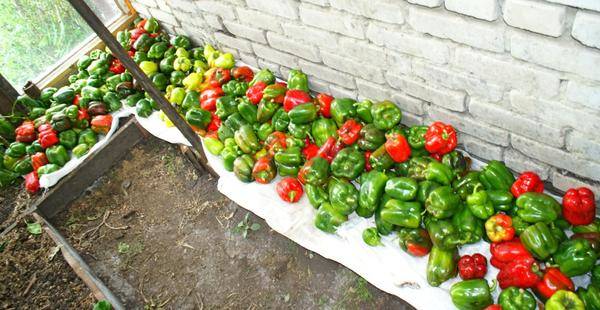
pixel 160 235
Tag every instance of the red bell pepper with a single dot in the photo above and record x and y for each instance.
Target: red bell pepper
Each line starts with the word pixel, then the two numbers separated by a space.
pixel 579 206
pixel 25 132
pixel 116 66
pixel 499 228
pixel 505 252
pixel 47 137
pixel 209 96
pixel 367 161
pixel 83 114
pixel 101 123
pixel 135 34
pixel 264 170
pixel 76 99
pixel 243 73
pixel 215 122
pixel 275 142
pixel 289 189
pixel 218 77
pixel 349 132
pixel 440 138
pixel 521 272
pixel 472 266
pixel 255 92
pixel 275 92
pixel 493 307
pixel 32 182
pixel 397 147
pixel 38 159
pixel 310 149
pixel 329 149
pixel 131 53
pixel 141 24
pixel 324 104
pixel 294 97
pixel 552 281
pixel 528 181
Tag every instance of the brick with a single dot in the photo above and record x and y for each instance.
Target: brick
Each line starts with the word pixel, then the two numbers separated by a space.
pixel 419 46
pixel 513 122
pixel 182 6
pixel 399 64
pixel 327 74
pixel 147 3
pixel 385 11
pixel 292 46
pixel 565 182
pixel 214 21
pixel 584 93
pixel 284 8
pixel 341 92
pixel 249 59
pixel 141 9
pixel 585 145
pixel 285 72
pixel 233 51
pixel 363 51
pixel 480 148
pixel 450 99
pixel 518 162
pixel 244 31
pixel 556 157
pixel 353 67
pixel 240 44
pixel 410 119
pixel 259 19
pixel 471 126
pixel 556 114
pixel 318 85
pixel 457 80
pixel 482 9
pixel 586 28
pixel 544 18
pixel 324 39
pixel 163 5
pixel 198 35
pixel 333 20
pixel 456 28
pixel 164 17
pixel 262 63
pixel 274 55
pixel 508 72
pixel 408 103
pixel 556 55
pixel 584 4
pixel 318 2
pixel 369 90
pixel 216 7
pixel 427 3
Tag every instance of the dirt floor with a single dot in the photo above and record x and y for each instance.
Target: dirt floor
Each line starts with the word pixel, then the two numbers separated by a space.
pixel 161 236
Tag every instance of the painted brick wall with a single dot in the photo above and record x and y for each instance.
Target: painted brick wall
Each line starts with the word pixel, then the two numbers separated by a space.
pixel 520 79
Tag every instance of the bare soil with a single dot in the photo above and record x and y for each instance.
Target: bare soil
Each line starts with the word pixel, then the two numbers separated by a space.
pixel 160 235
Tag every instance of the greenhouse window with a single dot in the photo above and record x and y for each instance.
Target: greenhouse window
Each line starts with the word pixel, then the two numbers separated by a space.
pixel 37 36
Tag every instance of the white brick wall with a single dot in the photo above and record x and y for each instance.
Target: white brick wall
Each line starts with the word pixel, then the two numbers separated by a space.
pixel 519 79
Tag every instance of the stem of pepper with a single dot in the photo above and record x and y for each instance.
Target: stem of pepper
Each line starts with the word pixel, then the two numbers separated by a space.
pixel 292 195
pixel 494 285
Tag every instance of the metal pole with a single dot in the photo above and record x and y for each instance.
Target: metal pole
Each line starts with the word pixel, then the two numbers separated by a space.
pixel 105 35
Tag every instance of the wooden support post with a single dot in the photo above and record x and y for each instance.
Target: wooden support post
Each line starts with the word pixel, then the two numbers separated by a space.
pixel 8 95
pixel 94 22
pixel 32 90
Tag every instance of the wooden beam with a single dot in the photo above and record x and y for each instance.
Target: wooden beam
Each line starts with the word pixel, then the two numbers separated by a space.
pixel 8 95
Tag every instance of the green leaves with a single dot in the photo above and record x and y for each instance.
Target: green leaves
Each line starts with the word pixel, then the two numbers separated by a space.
pixel 102 305
pixel 244 226
pixel 34 228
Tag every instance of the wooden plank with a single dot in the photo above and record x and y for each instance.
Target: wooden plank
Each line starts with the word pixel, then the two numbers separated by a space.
pixel 8 95
pixel 71 186
pixel 79 266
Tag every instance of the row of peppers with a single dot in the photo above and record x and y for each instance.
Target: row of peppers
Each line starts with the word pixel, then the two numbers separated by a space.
pixel 357 157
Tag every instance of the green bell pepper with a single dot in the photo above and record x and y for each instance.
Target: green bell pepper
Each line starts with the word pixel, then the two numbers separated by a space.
pixel 441 266
pixel 471 294
pixel 514 298
pixel 590 296
pixel 443 233
pixel 87 136
pixel 417 167
pixel 322 129
pixel 151 25
pixel 343 196
pixel 264 75
pixel 299 131
pixel 342 110
pixel 140 57
pixel 371 236
pixel 7 130
pixel 502 200
pixel 198 117
pixel 65 94
pixel 297 80
pixel 246 139
pixel 28 102
pixel 248 111
pixel 596 276
pixel 416 137
pixel 363 111
pixel 226 106
pixel 111 99
pixel 371 190
pixel 9 162
pixel 264 130
pixel 191 100
pixel 328 219
pixel 183 64
pixel 317 195
pixel 166 66
pixel 564 300
pixel 480 204
pixel 348 163
pixel 439 173
pixel 57 155
pixel 229 153
pixel 592 227
pixel 383 227
pixel 235 121
pixel 242 168
pixel 143 43
pixel 7 177
pixel 425 188
pixel 281 120
pixel 157 50
pixel 464 186
pixel 470 228
pixel 288 161
pixel 47 93
pixel 266 109
pixel 402 188
pixel 386 115
pixel 47 169
pixel 143 108
pixel 303 113
pixel 519 225
pixel 68 138
pixel 181 41
pixel 315 171
pixel 539 241
pixel 380 159
pixel 80 150
pixel 495 175
pixel 456 161
pixel 414 241
pixel 23 166
pixel 33 148
pixel 575 257
pixel 235 88
pixel 402 213
pixel 537 207
pixel 442 202
pixel 91 93
pixel 371 138
pixel 16 149
pixel 160 80
pixel 124 38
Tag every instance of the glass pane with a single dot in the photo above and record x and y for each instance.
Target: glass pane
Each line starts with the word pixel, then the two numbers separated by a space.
pixel 35 34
